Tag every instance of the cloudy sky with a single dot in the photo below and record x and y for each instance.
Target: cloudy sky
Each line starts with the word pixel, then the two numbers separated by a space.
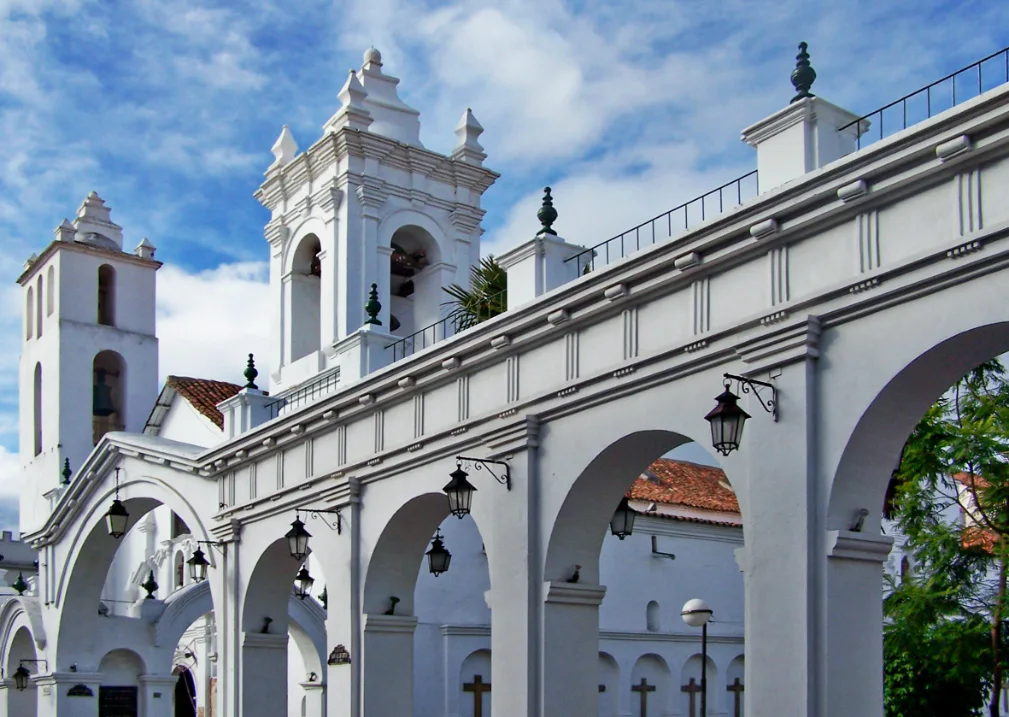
pixel 168 109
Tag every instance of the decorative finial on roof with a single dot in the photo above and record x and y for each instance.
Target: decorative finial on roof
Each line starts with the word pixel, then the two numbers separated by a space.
pixel 284 149
pixel 372 56
pixel 150 585
pixel 31 260
pixel 803 75
pixel 547 214
pixel 66 472
pixel 20 585
pixel 145 249
pixel 468 148
pixel 250 374
pixel 373 307
pixel 65 231
pixel 352 112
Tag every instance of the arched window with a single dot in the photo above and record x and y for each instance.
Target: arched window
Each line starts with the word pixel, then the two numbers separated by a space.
pixel 38 307
pixel 306 298
pixel 50 290
pixel 652 618
pixel 37 408
pixel 29 313
pixel 106 295
pixel 415 295
pixel 108 402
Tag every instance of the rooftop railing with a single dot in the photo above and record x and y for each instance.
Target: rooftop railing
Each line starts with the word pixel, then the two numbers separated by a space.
pixel 666 225
pixel 457 321
pixel 309 393
pixel 967 82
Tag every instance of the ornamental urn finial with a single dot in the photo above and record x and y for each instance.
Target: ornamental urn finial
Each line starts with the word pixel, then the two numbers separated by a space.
pixel 250 374
pixel 803 75
pixel 66 472
pixel 547 214
pixel 150 585
pixel 373 307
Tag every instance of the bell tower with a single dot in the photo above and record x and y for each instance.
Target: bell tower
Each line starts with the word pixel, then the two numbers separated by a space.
pixel 366 204
pixel 89 355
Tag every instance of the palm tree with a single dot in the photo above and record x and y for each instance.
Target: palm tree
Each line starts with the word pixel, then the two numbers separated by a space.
pixel 486 297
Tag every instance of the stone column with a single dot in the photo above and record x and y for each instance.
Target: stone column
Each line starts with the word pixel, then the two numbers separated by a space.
pixel 264 674
pixel 382 277
pixel 66 694
pixel 315 699
pixel 571 648
pixel 157 695
pixel 388 664
pixel 854 621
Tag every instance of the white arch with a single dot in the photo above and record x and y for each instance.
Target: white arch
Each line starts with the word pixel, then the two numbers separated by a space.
pixel 16 613
pixel 408 217
pixel 311 225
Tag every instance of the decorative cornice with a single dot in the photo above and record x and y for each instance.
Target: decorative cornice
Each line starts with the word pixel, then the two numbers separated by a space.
pixel 787 345
pixel 573 593
pixel 264 641
pixel 390 624
pixel 848 545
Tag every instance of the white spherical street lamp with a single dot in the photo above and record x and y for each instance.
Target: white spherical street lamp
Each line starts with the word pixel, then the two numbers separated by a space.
pixel 697 613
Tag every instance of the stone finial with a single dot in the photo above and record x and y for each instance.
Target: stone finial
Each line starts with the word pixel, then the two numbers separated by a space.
pixel 352 113
pixel 94 224
pixel 20 585
pixel 93 207
pixel 468 149
pixel 284 149
pixel 250 374
pixel 31 260
pixel 803 75
pixel 65 231
pixel 372 58
pixel 547 214
pixel 150 585
pixel 145 249
pixel 66 472
pixel 373 307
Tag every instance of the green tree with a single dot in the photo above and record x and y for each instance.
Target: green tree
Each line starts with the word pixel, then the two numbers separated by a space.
pixel 953 464
pixel 486 297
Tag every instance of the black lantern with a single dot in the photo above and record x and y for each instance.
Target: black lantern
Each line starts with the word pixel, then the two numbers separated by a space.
pixel 304 583
pixel 198 566
pixel 438 558
pixel 297 539
pixel 622 522
pixel 460 493
pixel 117 517
pixel 21 675
pixel 727 420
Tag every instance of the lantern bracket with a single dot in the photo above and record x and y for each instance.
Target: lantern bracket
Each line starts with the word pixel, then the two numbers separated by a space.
pixel 485 464
pixel 333 524
pixel 752 385
pixel 221 546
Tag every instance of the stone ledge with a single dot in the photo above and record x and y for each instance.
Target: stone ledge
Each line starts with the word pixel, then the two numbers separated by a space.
pixel 573 593
pixel 848 545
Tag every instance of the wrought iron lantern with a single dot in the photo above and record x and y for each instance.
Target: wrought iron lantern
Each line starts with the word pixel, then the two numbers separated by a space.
pixel 727 420
pixel 622 522
pixel 460 493
pixel 304 582
pixel 438 558
pixel 117 518
pixel 297 539
pixel 21 677
pixel 198 565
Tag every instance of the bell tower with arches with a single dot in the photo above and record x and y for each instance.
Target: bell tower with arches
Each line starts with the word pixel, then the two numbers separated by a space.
pixel 366 204
pixel 89 354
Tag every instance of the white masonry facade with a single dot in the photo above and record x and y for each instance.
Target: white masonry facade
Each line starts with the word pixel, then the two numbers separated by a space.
pixel 857 284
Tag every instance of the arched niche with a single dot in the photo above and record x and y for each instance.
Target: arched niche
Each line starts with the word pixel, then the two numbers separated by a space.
pixel 735 685
pixel 416 280
pixel 38 306
pixel 106 301
pixel 692 672
pixel 653 616
pixel 474 683
pixel 650 686
pixel 50 290
pixel 29 313
pixel 305 297
pixel 37 404
pixel 609 685
pixel 108 402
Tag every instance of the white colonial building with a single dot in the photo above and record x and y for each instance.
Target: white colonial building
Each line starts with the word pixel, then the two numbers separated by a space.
pixel 605 361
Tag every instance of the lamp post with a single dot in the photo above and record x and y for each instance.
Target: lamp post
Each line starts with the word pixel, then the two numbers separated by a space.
pixel 697 613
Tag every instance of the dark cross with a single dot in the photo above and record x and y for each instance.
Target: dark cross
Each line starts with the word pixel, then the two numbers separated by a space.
pixel 643 688
pixel 693 688
pixel 477 687
pixel 737 687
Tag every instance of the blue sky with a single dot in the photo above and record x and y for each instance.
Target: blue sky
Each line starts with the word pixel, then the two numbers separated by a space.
pixel 168 109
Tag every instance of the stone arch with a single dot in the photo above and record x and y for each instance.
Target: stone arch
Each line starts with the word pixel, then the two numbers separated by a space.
pixel 121 667
pixel 16 614
pixel 269 588
pixel 109 376
pixel 609 681
pixel 106 300
pixel 692 671
pixel 305 296
pixel 21 647
pixel 655 672
pixel 418 270
pixel 476 663
pixel 90 550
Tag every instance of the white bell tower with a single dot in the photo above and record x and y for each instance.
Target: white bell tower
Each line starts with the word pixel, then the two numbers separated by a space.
pixel 89 355
pixel 366 204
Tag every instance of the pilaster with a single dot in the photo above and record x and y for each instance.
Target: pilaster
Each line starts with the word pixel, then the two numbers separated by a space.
pixel 388 664
pixel 157 695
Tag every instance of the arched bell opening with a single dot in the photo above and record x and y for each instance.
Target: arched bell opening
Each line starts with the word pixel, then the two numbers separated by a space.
pixel 305 296
pixel 415 294
pixel 108 400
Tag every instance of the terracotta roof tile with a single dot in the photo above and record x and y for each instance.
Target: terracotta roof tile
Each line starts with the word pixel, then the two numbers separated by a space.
pixel 695 519
pixel 977 536
pixel 688 484
pixel 204 394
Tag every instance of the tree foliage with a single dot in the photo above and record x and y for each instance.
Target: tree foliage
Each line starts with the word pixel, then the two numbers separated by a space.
pixel 486 297
pixel 944 641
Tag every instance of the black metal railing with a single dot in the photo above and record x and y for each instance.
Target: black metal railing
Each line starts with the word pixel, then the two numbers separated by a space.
pixel 964 84
pixel 457 321
pixel 676 220
pixel 309 393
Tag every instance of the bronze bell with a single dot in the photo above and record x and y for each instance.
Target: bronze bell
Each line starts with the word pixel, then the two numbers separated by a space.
pixel 101 402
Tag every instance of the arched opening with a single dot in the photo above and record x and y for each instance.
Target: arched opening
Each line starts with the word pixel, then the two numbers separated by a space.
pixel 29 313
pixel 185 693
pixel 306 297
pixel 22 653
pixel 690 686
pixel 475 684
pixel 37 409
pixel 415 294
pixel 119 691
pixel 106 295
pixel 650 694
pixel 108 406
pixel 735 686
pixel 50 290
pixel 38 307
pixel 653 620
pixel 609 685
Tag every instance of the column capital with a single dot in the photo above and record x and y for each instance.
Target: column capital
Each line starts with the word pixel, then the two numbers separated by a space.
pixel 573 593
pixel 849 545
pixel 390 623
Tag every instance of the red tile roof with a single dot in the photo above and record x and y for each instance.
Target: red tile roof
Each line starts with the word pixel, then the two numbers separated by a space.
pixel 688 484
pixel 204 394
pixel 976 536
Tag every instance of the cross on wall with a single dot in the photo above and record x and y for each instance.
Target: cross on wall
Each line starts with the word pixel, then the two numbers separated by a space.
pixel 692 688
pixel 737 688
pixel 643 688
pixel 477 687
